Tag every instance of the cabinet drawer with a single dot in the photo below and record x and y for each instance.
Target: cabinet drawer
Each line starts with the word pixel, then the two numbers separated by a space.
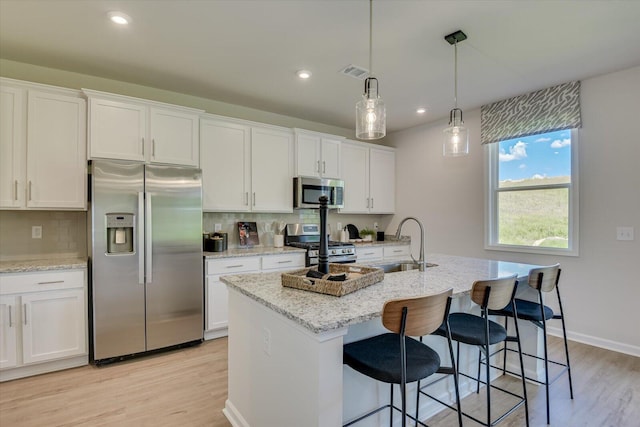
pixel 397 251
pixel 286 261
pixel 367 253
pixel 233 265
pixel 40 281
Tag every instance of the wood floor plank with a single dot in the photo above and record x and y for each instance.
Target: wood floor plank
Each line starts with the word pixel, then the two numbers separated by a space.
pixel 188 387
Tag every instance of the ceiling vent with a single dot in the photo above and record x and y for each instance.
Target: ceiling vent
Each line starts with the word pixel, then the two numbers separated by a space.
pixel 355 72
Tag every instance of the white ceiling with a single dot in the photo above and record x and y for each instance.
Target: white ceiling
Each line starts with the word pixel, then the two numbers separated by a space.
pixel 246 52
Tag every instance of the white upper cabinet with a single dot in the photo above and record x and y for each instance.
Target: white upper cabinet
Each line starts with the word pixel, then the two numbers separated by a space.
pixel 225 150
pixel 317 155
pixel 43 147
pixel 271 169
pixel 125 128
pixel 245 167
pixel 368 172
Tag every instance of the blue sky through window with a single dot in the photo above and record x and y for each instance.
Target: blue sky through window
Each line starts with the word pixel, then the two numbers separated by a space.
pixel 538 156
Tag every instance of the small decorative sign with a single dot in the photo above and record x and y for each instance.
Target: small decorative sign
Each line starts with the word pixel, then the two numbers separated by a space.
pixel 247 234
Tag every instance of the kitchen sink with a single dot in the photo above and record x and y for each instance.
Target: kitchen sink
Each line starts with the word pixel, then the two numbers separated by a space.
pixel 401 266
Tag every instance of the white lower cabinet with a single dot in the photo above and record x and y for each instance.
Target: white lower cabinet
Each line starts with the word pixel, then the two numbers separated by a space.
pixel 402 252
pixel 216 294
pixel 43 321
pixel 366 254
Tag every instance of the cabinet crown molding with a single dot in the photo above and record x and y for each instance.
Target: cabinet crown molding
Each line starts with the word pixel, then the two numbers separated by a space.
pixel 90 93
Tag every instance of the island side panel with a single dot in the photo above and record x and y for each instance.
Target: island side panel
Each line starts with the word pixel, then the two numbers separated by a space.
pixel 280 374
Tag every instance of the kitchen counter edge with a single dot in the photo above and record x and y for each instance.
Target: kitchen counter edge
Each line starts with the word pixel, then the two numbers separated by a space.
pixel 255 251
pixel 51 264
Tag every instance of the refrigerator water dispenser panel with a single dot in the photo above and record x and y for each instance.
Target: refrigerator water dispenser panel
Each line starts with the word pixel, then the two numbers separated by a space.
pixel 120 233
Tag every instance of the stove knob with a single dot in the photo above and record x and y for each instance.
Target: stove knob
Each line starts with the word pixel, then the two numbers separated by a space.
pixel 333 251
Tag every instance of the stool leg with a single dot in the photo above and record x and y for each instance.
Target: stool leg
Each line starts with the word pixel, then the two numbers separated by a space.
pixel 478 377
pixel 524 381
pixel 546 360
pixel 504 358
pixel 566 345
pixel 391 407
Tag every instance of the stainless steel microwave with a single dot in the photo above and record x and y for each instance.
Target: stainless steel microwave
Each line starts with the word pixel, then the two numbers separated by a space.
pixel 307 192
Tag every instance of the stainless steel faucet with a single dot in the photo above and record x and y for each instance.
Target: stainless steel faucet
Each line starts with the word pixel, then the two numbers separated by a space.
pixel 420 262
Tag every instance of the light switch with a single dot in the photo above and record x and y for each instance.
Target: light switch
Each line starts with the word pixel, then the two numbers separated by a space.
pixel 217 227
pixel 36 232
pixel 624 233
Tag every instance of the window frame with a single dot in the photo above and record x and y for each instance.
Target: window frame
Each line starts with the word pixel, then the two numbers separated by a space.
pixel 491 204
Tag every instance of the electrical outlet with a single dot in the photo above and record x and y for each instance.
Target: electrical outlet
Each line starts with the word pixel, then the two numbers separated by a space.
pixel 266 341
pixel 36 232
pixel 339 225
pixel 375 226
pixel 217 227
pixel 624 233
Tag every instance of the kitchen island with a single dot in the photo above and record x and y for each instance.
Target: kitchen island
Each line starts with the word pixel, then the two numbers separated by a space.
pixel 285 345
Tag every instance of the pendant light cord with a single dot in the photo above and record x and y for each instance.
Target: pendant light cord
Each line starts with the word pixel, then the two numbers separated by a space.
pixel 455 75
pixel 370 38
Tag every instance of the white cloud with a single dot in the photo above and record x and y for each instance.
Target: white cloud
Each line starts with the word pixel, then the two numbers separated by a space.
pixel 543 139
pixel 516 152
pixel 559 143
pixel 522 166
pixel 538 176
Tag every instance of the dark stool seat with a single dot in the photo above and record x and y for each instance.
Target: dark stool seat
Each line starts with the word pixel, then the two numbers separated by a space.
pixel 378 357
pixel 527 310
pixel 470 329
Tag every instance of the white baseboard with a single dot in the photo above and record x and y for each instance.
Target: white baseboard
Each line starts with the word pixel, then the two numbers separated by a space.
pixel 217 333
pixel 43 368
pixel 233 415
pixel 597 342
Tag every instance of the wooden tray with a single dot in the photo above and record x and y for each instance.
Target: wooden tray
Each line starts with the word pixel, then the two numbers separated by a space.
pixel 367 276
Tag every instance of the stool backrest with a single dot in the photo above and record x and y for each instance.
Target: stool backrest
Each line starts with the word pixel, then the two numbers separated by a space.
pixel 544 278
pixel 424 314
pixel 500 292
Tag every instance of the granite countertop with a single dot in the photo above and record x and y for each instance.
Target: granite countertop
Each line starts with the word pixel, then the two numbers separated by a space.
pixel 254 251
pixel 26 266
pixel 400 242
pixel 322 313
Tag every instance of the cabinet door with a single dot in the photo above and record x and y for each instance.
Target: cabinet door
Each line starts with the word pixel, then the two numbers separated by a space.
pixel 382 183
pixel 354 161
pixel 117 130
pixel 226 167
pixel 12 147
pixel 308 155
pixel 330 158
pixel 56 151
pixel 217 310
pixel 271 170
pixel 8 327
pixel 174 137
pixel 53 325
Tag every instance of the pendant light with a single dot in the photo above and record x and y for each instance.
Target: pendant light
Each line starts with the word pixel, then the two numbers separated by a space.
pixel 371 114
pixel 456 136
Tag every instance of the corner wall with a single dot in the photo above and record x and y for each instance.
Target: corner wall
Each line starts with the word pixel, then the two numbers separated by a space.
pixel 600 288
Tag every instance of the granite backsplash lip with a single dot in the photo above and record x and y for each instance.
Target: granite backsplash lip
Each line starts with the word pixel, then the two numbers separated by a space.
pixel 47 264
pixel 254 251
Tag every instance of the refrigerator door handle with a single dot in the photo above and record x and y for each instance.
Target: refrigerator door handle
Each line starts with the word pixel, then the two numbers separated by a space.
pixel 141 238
pixel 147 247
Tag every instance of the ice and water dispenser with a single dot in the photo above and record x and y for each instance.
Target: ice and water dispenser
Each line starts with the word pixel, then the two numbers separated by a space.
pixel 120 233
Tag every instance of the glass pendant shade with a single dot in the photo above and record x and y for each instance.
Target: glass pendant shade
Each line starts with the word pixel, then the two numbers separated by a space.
pixel 456 136
pixel 371 113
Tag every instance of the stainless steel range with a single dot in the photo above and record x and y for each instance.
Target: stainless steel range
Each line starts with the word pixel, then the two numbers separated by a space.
pixel 307 236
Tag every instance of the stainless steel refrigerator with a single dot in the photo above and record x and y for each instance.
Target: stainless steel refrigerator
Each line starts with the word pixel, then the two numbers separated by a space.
pixel 145 228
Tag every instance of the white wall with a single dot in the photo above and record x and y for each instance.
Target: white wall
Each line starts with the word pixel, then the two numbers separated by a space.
pixel 600 288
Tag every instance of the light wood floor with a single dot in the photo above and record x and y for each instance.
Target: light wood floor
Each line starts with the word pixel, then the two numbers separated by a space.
pixel 188 388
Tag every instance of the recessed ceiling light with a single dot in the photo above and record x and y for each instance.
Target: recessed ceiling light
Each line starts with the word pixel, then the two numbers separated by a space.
pixel 119 18
pixel 303 74
pixel 421 110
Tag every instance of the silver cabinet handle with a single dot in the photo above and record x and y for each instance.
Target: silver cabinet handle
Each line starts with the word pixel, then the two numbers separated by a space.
pixel 324 167
pixel 372 203
pixel 235 266
pixel 153 148
pixel 143 145
pixel 29 190
pixel 318 166
pixel 369 253
pixel 49 283
pixel 254 198
pixel 246 198
pixel 397 250
pixel 24 311
pixel 15 190
pixel 367 203
pixel 10 318
pixel 285 262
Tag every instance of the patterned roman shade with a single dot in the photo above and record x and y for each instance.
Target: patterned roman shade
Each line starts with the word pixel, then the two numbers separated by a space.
pixel 546 110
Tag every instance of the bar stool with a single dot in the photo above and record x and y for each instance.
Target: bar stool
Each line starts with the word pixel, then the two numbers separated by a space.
pixel 394 357
pixel 479 331
pixel 543 279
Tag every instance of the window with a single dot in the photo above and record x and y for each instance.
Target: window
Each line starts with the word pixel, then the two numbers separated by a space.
pixel 532 203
